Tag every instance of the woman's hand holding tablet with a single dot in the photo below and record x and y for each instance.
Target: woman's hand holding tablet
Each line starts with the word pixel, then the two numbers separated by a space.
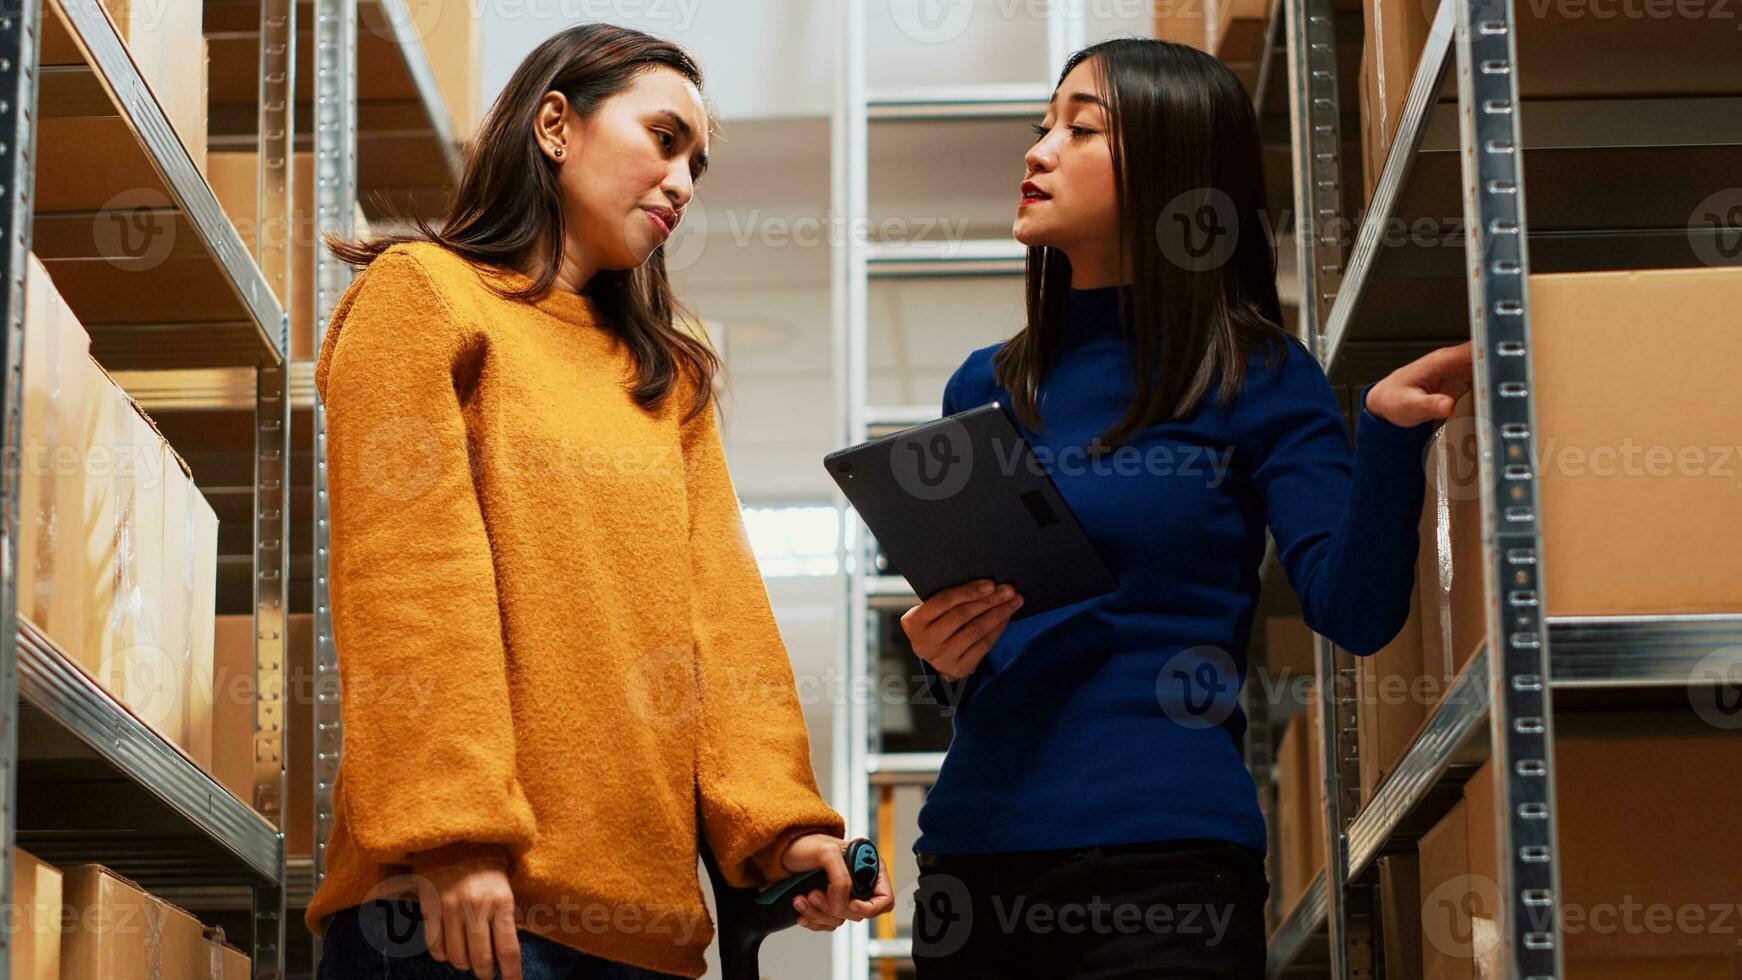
pixel 953 629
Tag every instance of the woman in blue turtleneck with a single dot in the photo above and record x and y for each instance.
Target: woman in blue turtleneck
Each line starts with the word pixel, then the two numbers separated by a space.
pixel 1093 816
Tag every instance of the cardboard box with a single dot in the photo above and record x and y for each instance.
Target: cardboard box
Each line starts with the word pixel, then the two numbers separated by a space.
pixel 229 963
pixel 1636 408
pixel 1635 435
pixel 1288 647
pixel 1571 51
pixel 163 40
pixel 450 38
pixel 1300 806
pixel 1577 51
pixel 299 754
pixel 1400 920
pixel 1190 22
pixel 1449 571
pixel 1444 857
pixel 34 932
pixel 1396 34
pixel 107 434
pixel 1637 901
pixel 233 705
pixel 114 929
pixel 125 567
pixel 1392 701
pixel 50 481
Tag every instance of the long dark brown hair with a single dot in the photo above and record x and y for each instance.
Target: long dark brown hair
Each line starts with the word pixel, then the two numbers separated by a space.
pixel 508 198
pixel 1187 169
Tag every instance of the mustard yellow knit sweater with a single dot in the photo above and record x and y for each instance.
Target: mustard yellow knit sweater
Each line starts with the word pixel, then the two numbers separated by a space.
pixel 553 640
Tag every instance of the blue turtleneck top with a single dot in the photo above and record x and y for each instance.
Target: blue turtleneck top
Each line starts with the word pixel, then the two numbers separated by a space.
pixel 1116 719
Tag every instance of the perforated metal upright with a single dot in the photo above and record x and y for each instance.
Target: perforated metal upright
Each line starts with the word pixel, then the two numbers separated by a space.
pixel 335 135
pixel 1521 720
pixel 857 764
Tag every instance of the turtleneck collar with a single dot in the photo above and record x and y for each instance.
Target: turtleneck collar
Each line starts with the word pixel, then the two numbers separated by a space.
pixel 1092 315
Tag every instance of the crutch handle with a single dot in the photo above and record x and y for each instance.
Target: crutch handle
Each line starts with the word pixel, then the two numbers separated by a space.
pixel 746 915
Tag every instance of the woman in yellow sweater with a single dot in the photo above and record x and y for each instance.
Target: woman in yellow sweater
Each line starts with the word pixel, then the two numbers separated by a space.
pixel 557 657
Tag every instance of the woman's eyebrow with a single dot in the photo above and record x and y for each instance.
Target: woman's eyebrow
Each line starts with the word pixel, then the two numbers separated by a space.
pixel 1077 98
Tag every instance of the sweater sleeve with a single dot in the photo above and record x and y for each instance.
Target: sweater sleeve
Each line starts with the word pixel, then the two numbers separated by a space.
pixel 757 790
pixel 1344 522
pixel 947 693
pixel 429 743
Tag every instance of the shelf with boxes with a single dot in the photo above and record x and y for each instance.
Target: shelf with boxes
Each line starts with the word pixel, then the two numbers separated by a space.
pixel 120 136
pixel 1574 534
pixel 1626 165
pixel 124 263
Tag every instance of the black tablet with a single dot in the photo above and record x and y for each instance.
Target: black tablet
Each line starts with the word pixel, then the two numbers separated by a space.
pixel 964 498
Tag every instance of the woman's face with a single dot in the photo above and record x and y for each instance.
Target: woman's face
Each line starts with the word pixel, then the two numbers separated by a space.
pixel 1071 166
pixel 628 171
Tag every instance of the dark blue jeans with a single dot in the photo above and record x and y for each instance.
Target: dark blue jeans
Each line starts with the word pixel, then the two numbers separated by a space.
pixel 383 940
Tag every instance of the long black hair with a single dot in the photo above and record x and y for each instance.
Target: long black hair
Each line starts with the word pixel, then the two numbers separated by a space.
pixel 1189 180
pixel 508 198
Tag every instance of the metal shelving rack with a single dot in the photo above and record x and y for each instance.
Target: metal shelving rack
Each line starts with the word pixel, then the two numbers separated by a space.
pixel 1500 705
pixel 858 763
pixel 97 783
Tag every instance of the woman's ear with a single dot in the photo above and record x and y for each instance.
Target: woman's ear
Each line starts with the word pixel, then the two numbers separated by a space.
pixel 551 125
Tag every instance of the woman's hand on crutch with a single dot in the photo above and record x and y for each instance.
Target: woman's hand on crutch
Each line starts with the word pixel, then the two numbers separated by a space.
pixel 821 911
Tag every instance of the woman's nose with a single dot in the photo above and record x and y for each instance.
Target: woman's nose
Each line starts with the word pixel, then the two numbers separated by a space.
pixel 1038 158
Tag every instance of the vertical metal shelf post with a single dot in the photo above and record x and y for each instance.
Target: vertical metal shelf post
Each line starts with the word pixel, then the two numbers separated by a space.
pixel 1497 273
pixel 335 194
pixel 18 86
pixel 1314 107
pixel 277 125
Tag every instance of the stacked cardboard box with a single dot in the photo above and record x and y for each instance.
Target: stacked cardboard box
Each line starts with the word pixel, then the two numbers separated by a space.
pixel 34 933
pixel 114 928
pixel 164 41
pixel 1635 436
pixel 1299 806
pixel 1288 647
pixel 450 38
pixel 118 548
pixel 1636 901
pixel 1209 26
pixel 1565 51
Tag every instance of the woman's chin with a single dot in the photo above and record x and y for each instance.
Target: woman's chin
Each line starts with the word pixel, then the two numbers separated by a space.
pixel 1028 235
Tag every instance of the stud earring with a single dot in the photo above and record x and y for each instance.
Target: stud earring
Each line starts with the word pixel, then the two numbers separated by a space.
pixel 559 151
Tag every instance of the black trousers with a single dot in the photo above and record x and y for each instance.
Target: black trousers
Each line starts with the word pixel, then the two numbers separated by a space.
pixel 1172 909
